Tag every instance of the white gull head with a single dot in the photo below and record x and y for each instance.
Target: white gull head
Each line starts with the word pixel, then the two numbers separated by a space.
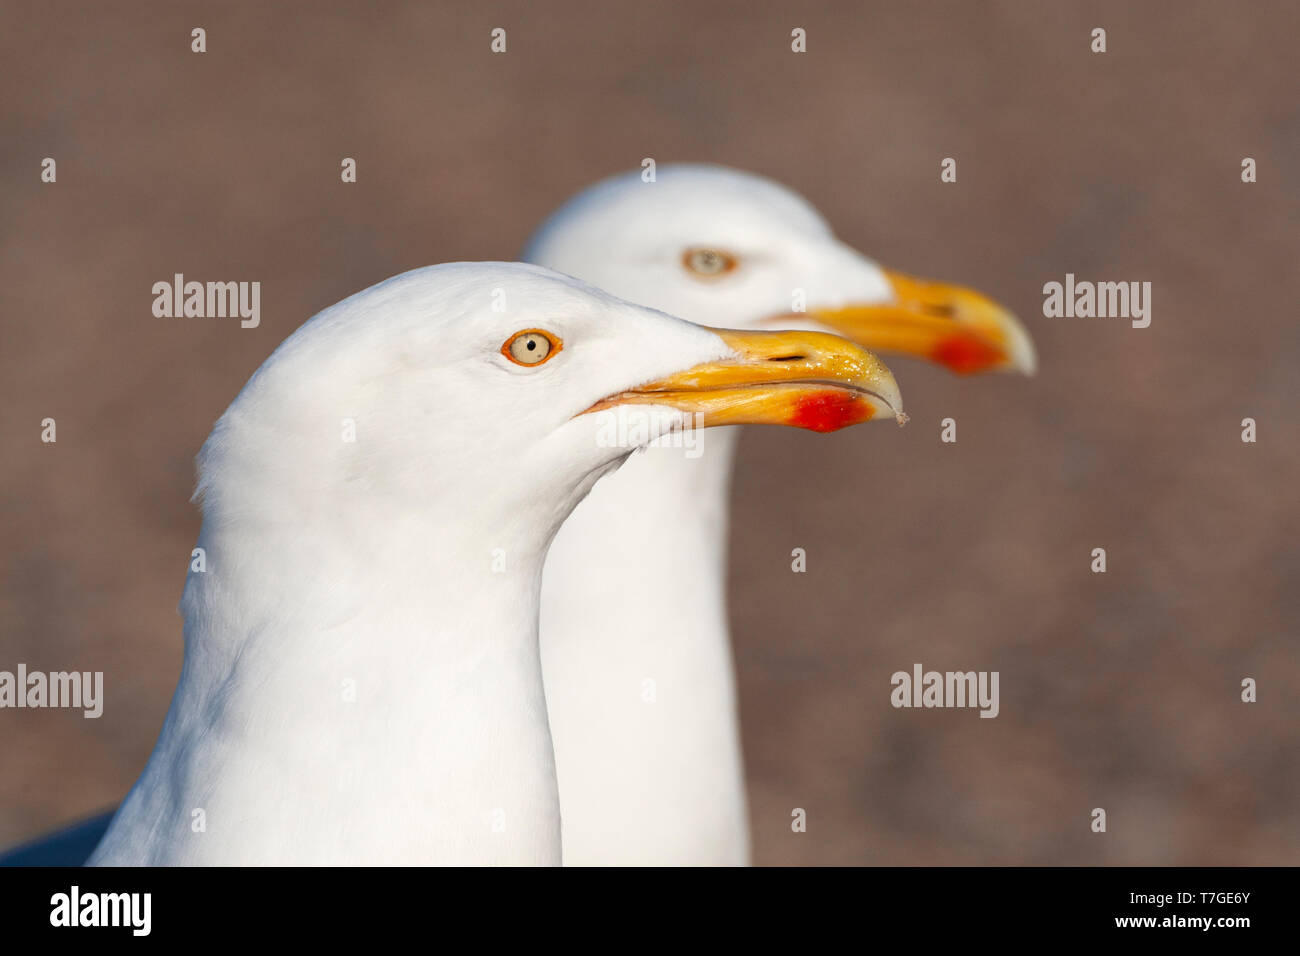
pixel 735 249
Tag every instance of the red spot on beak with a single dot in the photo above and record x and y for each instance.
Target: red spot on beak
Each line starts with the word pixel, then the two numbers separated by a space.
pixel 830 410
pixel 965 354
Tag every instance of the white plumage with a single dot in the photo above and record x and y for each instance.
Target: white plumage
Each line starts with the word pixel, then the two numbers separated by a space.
pixel 633 597
pixel 361 681
pixel 359 684
pixel 634 639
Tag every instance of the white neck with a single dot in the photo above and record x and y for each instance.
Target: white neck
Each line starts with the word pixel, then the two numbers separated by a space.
pixel 634 591
pixel 351 702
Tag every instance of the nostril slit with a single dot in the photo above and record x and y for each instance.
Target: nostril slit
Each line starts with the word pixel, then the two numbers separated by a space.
pixel 789 358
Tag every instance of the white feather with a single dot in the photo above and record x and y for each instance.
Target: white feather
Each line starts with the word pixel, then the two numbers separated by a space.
pixel 359 684
pixel 635 586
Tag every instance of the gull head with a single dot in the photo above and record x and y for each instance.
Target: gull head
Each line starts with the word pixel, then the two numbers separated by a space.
pixel 478 395
pixel 730 248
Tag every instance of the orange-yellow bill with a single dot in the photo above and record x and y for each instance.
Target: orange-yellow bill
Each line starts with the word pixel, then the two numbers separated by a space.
pixel 808 380
pixel 956 327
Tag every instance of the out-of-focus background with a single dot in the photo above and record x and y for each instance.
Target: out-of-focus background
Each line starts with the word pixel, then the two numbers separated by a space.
pixel 1118 690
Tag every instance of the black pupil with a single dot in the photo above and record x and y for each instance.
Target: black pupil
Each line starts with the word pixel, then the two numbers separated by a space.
pixel 532 344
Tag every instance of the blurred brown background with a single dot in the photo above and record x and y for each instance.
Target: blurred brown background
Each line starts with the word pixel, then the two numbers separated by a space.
pixel 1118 690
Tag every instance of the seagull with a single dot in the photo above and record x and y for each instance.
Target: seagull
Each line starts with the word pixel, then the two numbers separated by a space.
pixel 663 782
pixel 636 653
pixel 361 680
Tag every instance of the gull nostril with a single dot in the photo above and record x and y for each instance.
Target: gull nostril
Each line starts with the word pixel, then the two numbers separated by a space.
pixel 788 358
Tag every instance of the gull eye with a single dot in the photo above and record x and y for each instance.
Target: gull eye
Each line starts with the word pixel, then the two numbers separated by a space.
pixel 708 263
pixel 530 347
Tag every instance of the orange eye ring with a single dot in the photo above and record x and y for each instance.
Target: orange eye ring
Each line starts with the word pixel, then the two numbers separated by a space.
pixel 706 263
pixel 531 347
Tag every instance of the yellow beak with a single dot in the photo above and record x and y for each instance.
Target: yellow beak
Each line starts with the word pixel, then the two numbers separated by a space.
pixel 808 380
pixel 947 324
